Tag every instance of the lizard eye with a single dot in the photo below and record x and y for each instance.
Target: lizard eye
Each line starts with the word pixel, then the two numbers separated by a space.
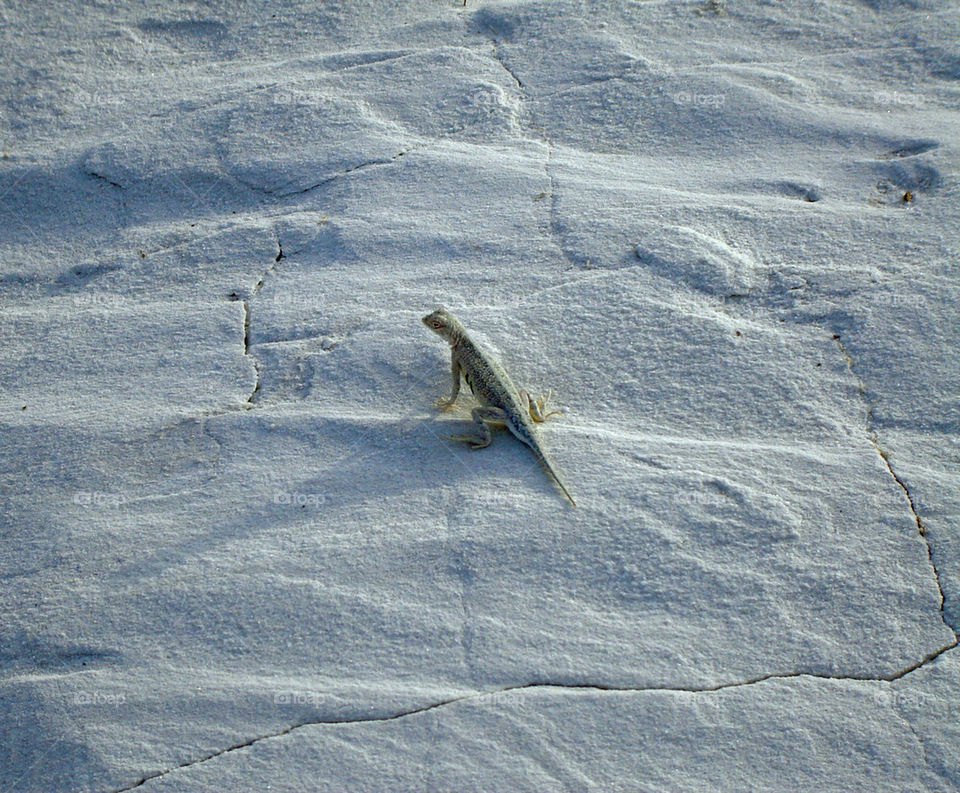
pixel 437 324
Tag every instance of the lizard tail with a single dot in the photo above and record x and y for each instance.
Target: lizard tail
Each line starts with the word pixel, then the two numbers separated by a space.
pixel 556 478
pixel 523 433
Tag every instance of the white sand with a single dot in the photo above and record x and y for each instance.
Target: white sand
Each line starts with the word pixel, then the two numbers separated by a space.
pixel 236 551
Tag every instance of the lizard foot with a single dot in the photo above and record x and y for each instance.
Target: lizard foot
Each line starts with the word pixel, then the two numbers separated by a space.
pixel 536 407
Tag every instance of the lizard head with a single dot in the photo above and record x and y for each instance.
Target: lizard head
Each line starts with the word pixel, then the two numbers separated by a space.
pixel 443 323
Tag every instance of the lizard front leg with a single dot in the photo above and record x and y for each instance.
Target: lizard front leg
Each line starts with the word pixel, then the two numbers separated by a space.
pixel 536 407
pixel 446 404
pixel 487 414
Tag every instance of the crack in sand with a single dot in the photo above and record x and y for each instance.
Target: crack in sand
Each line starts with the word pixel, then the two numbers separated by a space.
pixel 281 192
pixel 884 456
pixel 106 179
pixel 245 303
pixel 498 57
pixel 534 685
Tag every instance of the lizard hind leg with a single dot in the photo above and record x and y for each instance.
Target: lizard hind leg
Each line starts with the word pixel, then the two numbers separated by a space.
pixel 482 416
pixel 536 407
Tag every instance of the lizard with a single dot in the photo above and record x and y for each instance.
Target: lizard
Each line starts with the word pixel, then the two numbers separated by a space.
pixel 502 403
